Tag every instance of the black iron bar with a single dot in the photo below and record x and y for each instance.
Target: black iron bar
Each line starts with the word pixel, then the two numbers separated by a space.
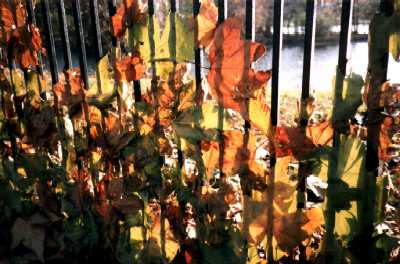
pixel 94 12
pixel 309 40
pixel 51 50
pixel 276 59
pixel 222 10
pixel 64 35
pixel 344 41
pixel 81 43
pixel 197 52
pixel 39 67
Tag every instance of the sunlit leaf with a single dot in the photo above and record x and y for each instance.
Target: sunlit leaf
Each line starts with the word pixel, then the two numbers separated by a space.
pixel 231 78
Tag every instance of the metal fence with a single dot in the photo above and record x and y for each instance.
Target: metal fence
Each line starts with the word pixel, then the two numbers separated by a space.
pixel 309 39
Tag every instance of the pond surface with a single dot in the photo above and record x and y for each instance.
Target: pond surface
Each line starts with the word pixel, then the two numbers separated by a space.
pixel 324 65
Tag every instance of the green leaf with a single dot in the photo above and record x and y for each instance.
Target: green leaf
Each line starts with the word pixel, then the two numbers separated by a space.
pixel 350 98
pixel 202 122
pixel 34 84
pixel 176 44
pixel 18 82
pixel 103 91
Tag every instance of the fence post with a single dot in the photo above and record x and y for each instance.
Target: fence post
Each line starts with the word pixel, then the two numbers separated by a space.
pixel 39 67
pixel 81 43
pixel 376 76
pixel 94 12
pixel 276 58
pixel 309 40
pixel 222 14
pixel 64 35
pixel 50 42
pixel 197 52
pixel 222 10
pixel 344 41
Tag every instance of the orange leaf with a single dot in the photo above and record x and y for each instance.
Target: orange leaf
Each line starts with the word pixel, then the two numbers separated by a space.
pixel 321 134
pixel 72 92
pixel 235 153
pixel 126 15
pixel 7 20
pixel 20 13
pixel 129 68
pixel 231 78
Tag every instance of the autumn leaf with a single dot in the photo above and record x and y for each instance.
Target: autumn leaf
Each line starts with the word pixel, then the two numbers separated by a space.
pixel 165 53
pixel 26 38
pixel 72 92
pixel 206 22
pixel 130 68
pixel 7 21
pixel 320 134
pixel 20 13
pixel 259 112
pixel 290 141
pixel 231 78
pixel 384 139
pixel 128 13
pixel 235 154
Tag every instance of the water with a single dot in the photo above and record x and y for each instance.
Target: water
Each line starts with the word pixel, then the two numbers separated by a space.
pixel 324 66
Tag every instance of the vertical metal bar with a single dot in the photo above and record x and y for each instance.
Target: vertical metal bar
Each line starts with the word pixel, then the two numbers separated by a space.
pixel 249 35
pixel 39 68
pixel 173 6
pixel 50 41
pixel 81 43
pixel 345 34
pixel 197 52
pixel 94 12
pixel 250 20
pixel 150 5
pixel 31 12
pixel 222 10
pixel 309 40
pixel 344 40
pixel 222 14
pixel 112 10
pixel 64 35
pixel 276 59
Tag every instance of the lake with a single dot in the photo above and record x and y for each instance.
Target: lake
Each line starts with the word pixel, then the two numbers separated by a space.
pixel 324 65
